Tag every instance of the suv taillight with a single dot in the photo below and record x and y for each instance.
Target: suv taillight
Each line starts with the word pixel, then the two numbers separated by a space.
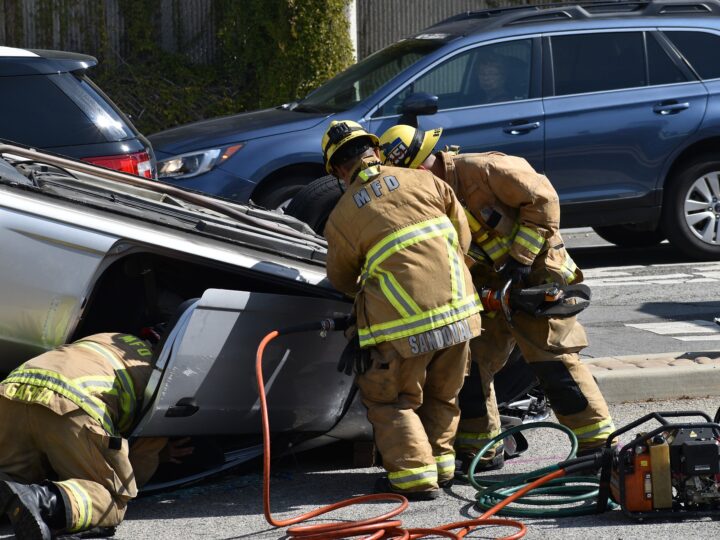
pixel 137 163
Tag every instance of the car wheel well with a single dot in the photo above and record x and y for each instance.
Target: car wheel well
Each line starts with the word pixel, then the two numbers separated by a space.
pixel 690 214
pixel 689 155
pixel 144 288
pixel 279 177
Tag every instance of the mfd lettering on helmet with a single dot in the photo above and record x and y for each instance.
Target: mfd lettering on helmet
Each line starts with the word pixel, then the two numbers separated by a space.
pixel 362 197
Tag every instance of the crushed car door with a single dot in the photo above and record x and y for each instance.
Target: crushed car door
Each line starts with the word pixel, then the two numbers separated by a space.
pixel 208 386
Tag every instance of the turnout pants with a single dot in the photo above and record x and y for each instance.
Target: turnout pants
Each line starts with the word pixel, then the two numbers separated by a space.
pixel 412 405
pixel 550 346
pixel 95 480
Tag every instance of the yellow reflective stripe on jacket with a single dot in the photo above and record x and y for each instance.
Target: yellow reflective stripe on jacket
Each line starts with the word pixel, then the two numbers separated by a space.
pixel 595 432
pixel 65 387
pixel 396 295
pixel 445 463
pixel 466 440
pixel 83 504
pixel 127 398
pixel 428 320
pixel 410 478
pixel 496 248
pixel 457 274
pixel 403 238
pixel 529 239
pixel 568 269
pixel 479 233
pixel 369 173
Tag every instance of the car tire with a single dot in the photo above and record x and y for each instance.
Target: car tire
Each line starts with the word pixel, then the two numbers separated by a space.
pixel 630 237
pixel 314 202
pixel 278 195
pixel 691 209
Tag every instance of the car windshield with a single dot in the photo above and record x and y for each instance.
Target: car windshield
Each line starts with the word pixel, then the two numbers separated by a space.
pixel 361 80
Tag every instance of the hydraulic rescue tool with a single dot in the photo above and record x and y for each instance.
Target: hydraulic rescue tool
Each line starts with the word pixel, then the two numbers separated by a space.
pixel 548 300
pixel 672 471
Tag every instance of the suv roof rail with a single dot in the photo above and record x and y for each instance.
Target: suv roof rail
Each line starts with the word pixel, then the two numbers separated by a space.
pixel 584 10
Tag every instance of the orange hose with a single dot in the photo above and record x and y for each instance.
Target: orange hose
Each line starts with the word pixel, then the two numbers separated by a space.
pixel 380 527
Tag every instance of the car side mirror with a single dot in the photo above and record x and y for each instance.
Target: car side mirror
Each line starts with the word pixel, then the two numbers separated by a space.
pixel 420 103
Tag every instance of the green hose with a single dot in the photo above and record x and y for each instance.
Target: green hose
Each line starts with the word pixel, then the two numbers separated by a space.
pixel 559 492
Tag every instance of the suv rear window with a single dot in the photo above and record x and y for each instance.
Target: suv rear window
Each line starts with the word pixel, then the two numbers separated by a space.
pixel 40 110
pixel 598 62
pixel 697 48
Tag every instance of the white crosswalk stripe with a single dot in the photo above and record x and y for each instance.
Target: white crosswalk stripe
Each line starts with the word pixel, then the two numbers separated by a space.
pixel 654 274
pixel 700 330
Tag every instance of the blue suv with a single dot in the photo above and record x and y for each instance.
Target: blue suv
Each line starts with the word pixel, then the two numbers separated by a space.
pixel 618 103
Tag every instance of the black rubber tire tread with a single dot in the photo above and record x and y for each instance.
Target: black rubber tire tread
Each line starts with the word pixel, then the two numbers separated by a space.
pixel 627 236
pixel 673 220
pixel 274 194
pixel 314 202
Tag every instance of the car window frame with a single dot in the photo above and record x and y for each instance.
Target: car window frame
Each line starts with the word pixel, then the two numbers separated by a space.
pixel 535 75
pixel 548 76
pixel 665 40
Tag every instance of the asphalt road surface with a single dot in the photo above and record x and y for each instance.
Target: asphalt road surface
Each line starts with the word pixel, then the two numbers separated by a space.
pixel 644 301
pixel 230 507
pixel 648 300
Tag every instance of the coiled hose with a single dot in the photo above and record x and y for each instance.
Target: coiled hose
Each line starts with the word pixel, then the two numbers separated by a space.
pixel 569 490
pixel 384 527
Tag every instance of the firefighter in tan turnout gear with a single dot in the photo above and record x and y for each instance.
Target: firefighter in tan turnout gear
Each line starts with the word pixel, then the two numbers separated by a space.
pixel 514 215
pixel 396 241
pixel 62 416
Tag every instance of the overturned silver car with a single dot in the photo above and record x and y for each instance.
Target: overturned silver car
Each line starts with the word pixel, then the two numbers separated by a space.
pixel 87 250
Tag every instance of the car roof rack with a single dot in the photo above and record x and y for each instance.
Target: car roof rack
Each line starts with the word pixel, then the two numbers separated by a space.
pixel 500 17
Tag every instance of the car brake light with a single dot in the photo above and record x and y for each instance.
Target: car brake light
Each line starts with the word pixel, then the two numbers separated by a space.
pixel 138 163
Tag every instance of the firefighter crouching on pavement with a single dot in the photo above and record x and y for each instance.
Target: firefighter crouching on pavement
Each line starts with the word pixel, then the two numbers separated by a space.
pixel 514 215
pixel 63 415
pixel 396 241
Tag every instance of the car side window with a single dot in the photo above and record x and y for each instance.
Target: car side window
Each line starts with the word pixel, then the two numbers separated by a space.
pixel 35 111
pixel 661 67
pixel 489 74
pixel 598 62
pixel 697 48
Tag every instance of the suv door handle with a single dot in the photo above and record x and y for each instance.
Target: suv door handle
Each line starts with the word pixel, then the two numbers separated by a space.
pixel 183 408
pixel 670 107
pixel 521 127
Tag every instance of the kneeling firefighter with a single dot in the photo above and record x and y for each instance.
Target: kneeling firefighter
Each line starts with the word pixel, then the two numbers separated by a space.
pixel 396 241
pixel 62 417
pixel 514 215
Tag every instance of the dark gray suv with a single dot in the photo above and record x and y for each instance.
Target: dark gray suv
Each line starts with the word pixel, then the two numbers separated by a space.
pixel 48 102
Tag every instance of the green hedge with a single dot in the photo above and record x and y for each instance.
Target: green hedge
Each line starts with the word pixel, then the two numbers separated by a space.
pixel 267 52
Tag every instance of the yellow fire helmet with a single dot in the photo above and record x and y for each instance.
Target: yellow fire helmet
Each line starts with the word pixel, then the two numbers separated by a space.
pixel 406 146
pixel 338 134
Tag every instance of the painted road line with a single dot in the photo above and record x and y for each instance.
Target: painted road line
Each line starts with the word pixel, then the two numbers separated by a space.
pixel 678 327
pixel 712 337
pixel 647 281
pixel 696 267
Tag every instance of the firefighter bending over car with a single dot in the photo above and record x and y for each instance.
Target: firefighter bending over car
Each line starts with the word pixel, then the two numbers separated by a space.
pixel 63 415
pixel 396 241
pixel 514 215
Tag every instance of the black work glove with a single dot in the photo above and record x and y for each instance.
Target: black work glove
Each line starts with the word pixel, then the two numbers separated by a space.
pixel 354 358
pixel 516 272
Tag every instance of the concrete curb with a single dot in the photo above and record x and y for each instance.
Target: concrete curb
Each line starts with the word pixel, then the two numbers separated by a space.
pixel 648 377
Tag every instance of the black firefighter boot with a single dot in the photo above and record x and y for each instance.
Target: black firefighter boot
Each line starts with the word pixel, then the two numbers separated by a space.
pixel 34 510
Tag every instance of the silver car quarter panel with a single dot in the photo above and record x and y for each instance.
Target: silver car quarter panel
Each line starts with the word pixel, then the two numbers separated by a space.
pixel 209 387
pixel 46 270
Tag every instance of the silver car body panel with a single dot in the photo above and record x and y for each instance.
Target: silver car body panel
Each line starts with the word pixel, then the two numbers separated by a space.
pixel 211 364
pixel 54 251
